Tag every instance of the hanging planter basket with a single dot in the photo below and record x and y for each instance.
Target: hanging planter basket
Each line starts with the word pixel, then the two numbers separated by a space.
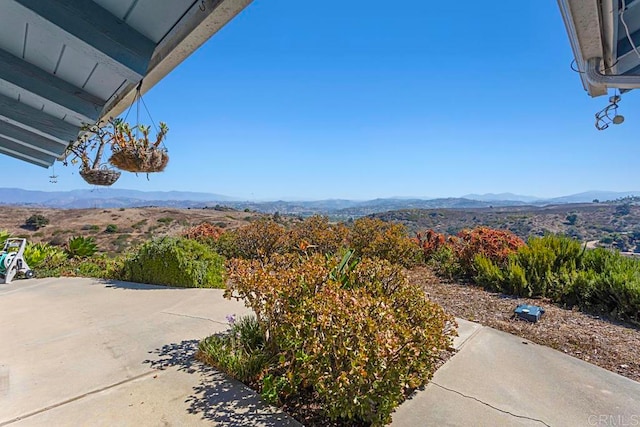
pixel 134 150
pixel 144 160
pixel 102 176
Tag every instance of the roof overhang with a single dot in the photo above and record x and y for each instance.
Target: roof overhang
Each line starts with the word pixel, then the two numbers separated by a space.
pixel 65 63
pixel 602 34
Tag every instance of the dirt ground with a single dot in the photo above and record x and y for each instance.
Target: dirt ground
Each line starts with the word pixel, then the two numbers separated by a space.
pixel 611 345
pixel 133 225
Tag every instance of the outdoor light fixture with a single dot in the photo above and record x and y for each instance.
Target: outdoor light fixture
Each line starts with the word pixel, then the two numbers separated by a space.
pixel 618 119
pixel 609 114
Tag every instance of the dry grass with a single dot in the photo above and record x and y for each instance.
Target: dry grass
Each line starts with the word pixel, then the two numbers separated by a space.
pixel 134 225
pixel 611 345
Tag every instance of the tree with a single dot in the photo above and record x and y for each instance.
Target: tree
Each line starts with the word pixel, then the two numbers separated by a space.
pixel 36 221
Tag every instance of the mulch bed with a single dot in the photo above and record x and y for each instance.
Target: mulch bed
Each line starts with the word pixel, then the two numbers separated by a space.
pixel 612 345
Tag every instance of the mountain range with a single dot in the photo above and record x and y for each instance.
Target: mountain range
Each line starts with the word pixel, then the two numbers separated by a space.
pixel 117 198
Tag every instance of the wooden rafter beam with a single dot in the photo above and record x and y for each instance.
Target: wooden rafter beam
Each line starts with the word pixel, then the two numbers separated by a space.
pixel 94 31
pixel 31 140
pixel 36 121
pixel 25 76
pixel 18 151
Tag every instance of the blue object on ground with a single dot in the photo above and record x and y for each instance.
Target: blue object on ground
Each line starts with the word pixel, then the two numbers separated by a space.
pixel 531 313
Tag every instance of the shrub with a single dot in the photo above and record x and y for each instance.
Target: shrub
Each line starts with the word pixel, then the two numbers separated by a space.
pixel 316 234
pixel 550 263
pixel 138 225
pixel 36 221
pixel 58 241
pixel 239 352
pixel 120 243
pixel 165 220
pixel 611 283
pixel 259 240
pixel 561 269
pixel 488 275
pixel 430 242
pixel 445 263
pixel 4 235
pixel 101 267
pixel 203 232
pixel 88 268
pixel 495 245
pixel 322 326
pixel 175 262
pixel 37 254
pixel 622 210
pixel 111 228
pixel 374 238
pixel 81 247
pixel 545 267
pixel 226 245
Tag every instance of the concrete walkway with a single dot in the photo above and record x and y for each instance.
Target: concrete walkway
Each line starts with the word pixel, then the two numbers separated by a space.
pixel 77 352
pixel 498 379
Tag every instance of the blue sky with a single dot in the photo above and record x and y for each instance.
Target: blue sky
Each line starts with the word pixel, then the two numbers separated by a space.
pixel 365 99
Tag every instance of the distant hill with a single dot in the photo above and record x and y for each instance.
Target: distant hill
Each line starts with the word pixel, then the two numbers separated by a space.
pixel 589 196
pixel 103 197
pixel 591 221
pixel 490 197
pixel 336 208
pixel 383 205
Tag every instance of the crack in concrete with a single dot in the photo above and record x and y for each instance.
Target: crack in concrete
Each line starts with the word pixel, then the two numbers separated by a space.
pixel 73 399
pixel 486 404
pixel 192 317
pixel 469 338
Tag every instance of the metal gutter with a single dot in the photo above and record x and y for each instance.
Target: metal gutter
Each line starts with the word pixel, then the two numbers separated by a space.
pixel 596 78
pixel 609 19
pixel 584 42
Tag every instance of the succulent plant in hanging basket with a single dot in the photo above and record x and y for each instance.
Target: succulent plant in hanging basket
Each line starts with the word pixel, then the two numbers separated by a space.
pixel 88 150
pixel 103 176
pixel 134 151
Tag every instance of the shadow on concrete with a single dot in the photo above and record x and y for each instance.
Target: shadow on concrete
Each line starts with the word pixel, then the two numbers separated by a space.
pixel 217 398
pixel 117 284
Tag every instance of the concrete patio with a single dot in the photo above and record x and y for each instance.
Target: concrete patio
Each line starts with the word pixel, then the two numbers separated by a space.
pixel 80 352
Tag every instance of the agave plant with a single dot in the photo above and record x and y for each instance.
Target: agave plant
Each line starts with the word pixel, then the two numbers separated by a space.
pixel 36 254
pixel 4 235
pixel 81 247
pixel 342 271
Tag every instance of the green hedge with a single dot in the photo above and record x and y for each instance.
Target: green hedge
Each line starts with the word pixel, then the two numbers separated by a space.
pixel 561 269
pixel 175 262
